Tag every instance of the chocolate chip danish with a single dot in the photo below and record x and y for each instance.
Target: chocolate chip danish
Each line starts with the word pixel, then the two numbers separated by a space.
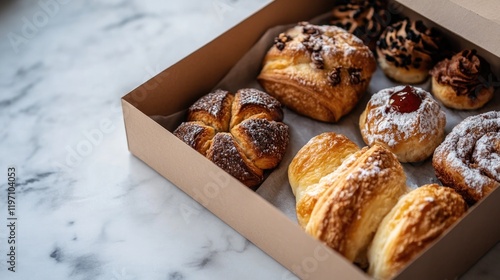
pixel 318 71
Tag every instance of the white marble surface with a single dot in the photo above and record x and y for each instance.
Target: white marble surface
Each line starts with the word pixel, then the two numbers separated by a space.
pixel 85 207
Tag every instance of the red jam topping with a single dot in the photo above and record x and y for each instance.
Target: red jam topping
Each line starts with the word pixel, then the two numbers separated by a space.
pixel 405 100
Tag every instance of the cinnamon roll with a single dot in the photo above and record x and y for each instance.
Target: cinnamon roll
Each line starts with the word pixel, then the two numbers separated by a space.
pixel 461 81
pixel 407 50
pixel 468 160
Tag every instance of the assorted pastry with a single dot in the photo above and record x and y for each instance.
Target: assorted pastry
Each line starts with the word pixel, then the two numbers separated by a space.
pixel 355 199
pixel 460 82
pixel 407 50
pixel 242 133
pixel 342 200
pixel 317 71
pixel 404 119
pixel 468 160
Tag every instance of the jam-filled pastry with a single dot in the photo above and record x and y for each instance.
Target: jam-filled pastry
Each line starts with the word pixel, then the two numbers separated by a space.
pixel 364 18
pixel 461 81
pixel 468 160
pixel 242 133
pixel 418 219
pixel 317 71
pixel 404 119
pixel 407 50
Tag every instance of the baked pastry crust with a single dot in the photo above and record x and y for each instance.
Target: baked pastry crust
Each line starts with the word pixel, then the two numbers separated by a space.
pixel 318 71
pixel 320 156
pixel 357 197
pixel 407 50
pixel 411 136
pixel 241 133
pixel 417 220
pixel 468 160
pixel 461 81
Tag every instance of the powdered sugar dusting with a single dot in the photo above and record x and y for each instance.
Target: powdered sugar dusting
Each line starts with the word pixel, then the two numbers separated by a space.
pixel 391 127
pixel 213 103
pixel 486 155
pixel 332 39
pixel 472 150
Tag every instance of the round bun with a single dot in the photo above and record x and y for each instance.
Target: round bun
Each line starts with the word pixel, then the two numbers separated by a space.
pixel 418 219
pixel 317 71
pixel 366 19
pixel 460 82
pixel 468 160
pixel 407 50
pixel 241 133
pixel 343 192
pixel 404 119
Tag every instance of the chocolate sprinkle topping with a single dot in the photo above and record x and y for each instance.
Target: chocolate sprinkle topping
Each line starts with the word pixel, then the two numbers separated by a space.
pixel 354 75
pixel 334 76
pixel 280 41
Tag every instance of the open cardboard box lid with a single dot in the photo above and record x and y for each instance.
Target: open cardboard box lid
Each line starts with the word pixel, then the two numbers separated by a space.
pixel 179 86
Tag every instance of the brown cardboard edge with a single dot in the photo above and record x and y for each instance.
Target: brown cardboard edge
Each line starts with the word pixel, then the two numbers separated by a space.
pixel 460 20
pixel 213 188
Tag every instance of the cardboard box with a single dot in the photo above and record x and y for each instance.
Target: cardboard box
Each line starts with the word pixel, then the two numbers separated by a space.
pixel 177 87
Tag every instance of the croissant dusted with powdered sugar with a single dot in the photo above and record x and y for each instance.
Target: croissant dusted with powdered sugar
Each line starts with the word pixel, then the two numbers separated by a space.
pixel 241 133
pixel 342 200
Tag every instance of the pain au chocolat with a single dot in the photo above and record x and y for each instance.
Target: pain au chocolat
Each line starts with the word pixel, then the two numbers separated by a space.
pixel 317 71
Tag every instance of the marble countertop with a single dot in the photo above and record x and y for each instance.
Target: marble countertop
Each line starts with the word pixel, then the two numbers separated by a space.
pixel 85 207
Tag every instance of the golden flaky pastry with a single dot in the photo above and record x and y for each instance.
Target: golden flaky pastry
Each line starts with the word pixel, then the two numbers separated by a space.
pixel 347 204
pixel 322 155
pixel 318 71
pixel 418 219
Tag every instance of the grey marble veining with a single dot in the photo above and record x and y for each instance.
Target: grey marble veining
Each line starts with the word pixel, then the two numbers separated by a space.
pixel 86 208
